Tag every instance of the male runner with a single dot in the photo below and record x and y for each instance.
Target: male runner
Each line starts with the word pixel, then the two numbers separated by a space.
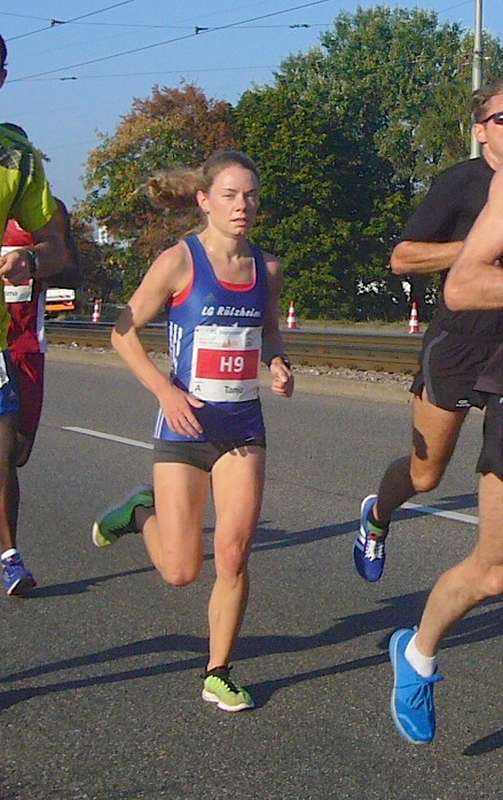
pixel 457 344
pixel 27 343
pixel 24 195
pixel 475 281
pixel 26 334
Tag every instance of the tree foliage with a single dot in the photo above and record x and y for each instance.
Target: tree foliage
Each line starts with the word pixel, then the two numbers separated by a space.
pixel 103 273
pixel 347 138
pixel 173 126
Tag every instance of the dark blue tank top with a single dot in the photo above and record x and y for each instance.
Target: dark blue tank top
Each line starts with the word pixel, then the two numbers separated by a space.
pixel 214 339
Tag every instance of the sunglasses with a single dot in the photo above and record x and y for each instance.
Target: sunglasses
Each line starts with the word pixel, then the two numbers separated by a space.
pixel 497 118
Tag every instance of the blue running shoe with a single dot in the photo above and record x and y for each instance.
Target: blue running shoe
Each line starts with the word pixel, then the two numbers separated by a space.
pixel 412 706
pixel 368 550
pixel 17 579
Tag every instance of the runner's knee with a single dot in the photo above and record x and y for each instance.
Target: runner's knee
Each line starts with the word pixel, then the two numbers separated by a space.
pixel 22 460
pixel 22 455
pixel 8 457
pixel 230 559
pixel 492 583
pixel 426 480
pixel 180 570
pixel 179 575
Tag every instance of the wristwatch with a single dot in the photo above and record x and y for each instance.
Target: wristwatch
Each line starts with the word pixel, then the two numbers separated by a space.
pixel 34 263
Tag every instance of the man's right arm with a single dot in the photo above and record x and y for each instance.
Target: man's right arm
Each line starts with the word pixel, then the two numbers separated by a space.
pixel 425 247
pixel 422 258
pixel 476 278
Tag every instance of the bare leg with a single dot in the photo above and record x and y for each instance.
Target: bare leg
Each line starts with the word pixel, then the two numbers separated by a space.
pixel 238 481
pixel 9 489
pixel 173 535
pixel 434 438
pixel 24 446
pixel 473 580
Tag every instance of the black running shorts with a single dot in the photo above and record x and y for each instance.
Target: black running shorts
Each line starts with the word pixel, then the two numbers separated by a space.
pixel 202 455
pixel 449 367
pixel 491 455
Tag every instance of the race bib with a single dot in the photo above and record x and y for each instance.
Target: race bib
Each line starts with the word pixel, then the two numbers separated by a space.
pixel 225 363
pixel 18 294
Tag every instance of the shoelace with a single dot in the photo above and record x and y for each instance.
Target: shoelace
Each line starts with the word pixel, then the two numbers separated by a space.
pixel 222 674
pixel 118 530
pixel 11 563
pixel 124 527
pixel 423 694
pixel 374 549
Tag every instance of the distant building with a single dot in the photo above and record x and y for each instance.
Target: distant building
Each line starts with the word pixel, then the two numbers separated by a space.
pixel 103 235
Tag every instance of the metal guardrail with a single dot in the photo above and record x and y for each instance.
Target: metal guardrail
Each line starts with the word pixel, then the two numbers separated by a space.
pixel 389 352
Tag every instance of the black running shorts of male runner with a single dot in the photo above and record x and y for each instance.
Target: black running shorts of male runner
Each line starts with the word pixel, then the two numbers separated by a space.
pixel 202 455
pixel 491 455
pixel 449 368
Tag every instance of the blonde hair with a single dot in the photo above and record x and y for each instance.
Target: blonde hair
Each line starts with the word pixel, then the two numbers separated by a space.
pixel 174 187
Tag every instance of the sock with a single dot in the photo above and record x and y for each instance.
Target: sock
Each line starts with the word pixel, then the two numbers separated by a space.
pixel 376 523
pixel 425 665
pixel 219 671
pixel 8 553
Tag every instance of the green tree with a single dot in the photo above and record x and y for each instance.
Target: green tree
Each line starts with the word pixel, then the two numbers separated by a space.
pixel 173 126
pixel 103 266
pixel 347 138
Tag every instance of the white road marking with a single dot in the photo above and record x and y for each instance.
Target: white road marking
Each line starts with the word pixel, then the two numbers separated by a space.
pixel 437 512
pixel 110 437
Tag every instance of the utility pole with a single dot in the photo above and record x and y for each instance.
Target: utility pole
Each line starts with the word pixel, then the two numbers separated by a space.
pixel 477 67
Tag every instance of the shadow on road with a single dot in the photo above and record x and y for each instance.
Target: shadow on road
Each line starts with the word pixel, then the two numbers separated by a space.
pixel 79 587
pixel 265 539
pixel 272 539
pixel 486 745
pixel 393 612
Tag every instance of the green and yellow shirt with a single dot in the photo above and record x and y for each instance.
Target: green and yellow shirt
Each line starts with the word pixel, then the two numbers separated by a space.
pixel 24 195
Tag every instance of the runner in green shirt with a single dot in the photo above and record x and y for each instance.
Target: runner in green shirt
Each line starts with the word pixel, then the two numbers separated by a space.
pixel 24 195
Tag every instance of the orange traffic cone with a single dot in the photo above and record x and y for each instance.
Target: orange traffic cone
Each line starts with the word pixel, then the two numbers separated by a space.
pixel 291 321
pixel 95 317
pixel 414 319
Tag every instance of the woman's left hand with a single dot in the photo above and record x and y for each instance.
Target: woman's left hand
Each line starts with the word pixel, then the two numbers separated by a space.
pixel 282 378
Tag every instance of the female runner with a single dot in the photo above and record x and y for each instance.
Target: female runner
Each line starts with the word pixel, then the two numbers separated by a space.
pixel 221 295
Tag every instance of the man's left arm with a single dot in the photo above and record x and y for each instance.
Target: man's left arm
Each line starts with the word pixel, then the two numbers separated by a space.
pixel 475 280
pixel 45 257
pixel 37 212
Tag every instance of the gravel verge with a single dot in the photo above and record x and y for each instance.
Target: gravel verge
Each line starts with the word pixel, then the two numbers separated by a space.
pixel 365 384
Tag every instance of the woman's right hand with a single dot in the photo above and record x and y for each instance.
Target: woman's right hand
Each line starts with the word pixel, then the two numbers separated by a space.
pixel 177 406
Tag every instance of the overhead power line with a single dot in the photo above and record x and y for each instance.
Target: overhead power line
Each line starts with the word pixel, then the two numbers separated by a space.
pixel 457 5
pixel 55 23
pixel 23 16
pixel 157 72
pixel 197 32
pixel 143 25
pixel 77 21
pixel 193 27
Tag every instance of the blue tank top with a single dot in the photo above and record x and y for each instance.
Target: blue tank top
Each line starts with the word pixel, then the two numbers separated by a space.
pixel 214 340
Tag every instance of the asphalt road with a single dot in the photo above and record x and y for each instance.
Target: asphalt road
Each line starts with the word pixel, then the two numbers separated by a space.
pixel 99 682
